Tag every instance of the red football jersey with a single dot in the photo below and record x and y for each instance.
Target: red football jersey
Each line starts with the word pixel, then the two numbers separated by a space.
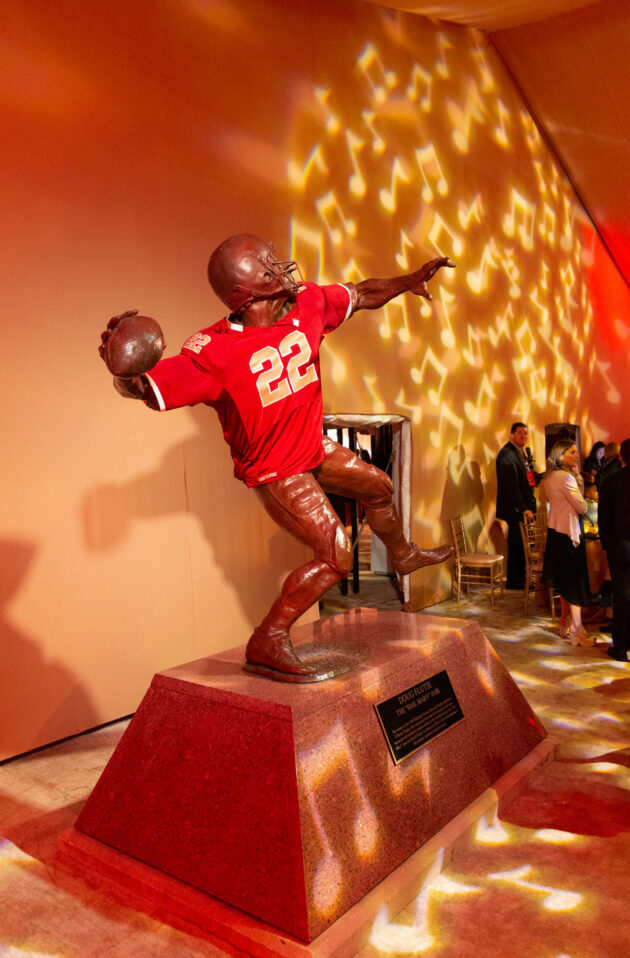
pixel 263 382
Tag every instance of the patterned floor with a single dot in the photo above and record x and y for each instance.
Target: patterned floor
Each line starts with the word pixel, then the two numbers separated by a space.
pixel 548 880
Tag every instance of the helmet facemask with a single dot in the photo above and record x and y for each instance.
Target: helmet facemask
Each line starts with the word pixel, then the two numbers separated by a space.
pixel 287 273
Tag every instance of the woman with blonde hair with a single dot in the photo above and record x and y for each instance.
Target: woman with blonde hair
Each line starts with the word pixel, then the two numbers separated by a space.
pixel 565 551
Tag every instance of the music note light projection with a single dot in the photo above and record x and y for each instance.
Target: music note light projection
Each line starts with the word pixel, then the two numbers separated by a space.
pixel 501 130
pixel 433 155
pixel 332 120
pixel 490 830
pixel 379 79
pixel 420 86
pixel 555 899
pixel 467 214
pixel 299 172
pixel 378 143
pixel 357 182
pixel 462 117
pixel 431 172
pixel 336 223
pixel 478 279
pixel 329 756
pixel 419 936
pixel 387 196
pixel 393 937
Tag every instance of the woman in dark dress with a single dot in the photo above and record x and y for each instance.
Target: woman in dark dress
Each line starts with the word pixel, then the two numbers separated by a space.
pixel 565 551
pixel 594 460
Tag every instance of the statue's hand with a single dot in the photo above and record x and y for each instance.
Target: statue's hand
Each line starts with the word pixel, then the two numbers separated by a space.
pixel 111 326
pixel 418 280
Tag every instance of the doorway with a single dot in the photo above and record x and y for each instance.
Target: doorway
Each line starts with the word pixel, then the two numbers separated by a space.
pixel 385 441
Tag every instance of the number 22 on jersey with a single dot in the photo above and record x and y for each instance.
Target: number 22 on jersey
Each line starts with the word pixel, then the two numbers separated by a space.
pixel 275 381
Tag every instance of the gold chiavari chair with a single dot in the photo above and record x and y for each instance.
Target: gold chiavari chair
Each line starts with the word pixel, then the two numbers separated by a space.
pixel 474 568
pixel 534 536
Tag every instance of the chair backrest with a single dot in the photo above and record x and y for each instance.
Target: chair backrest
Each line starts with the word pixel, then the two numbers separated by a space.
pixel 535 533
pixel 540 519
pixel 460 540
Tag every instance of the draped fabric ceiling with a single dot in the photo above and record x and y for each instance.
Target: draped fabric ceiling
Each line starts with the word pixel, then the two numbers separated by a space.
pixel 570 60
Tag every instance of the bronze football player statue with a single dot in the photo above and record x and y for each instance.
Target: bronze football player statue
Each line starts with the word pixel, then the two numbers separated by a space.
pixel 259 368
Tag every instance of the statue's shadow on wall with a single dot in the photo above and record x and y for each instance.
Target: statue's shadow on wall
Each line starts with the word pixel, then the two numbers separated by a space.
pixel 196 477
pixel 27 675
pixel 463 494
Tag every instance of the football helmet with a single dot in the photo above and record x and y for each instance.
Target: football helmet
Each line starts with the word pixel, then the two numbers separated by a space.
pixel 245 269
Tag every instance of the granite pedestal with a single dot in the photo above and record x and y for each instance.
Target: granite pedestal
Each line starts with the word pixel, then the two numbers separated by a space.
pixel 284 801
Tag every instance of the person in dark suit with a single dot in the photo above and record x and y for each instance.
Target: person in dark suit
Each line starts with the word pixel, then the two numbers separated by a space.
pixel 515 499
pixel 614 532
pixel 611 462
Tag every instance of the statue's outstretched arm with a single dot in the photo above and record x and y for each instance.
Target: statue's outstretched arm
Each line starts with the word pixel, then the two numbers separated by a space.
pixel 374 293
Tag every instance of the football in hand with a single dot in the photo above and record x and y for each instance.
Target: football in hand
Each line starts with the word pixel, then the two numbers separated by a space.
pixel 133 346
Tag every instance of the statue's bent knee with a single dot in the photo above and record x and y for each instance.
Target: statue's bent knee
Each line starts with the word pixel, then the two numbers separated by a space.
pixel 381 488
pixel 340 556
